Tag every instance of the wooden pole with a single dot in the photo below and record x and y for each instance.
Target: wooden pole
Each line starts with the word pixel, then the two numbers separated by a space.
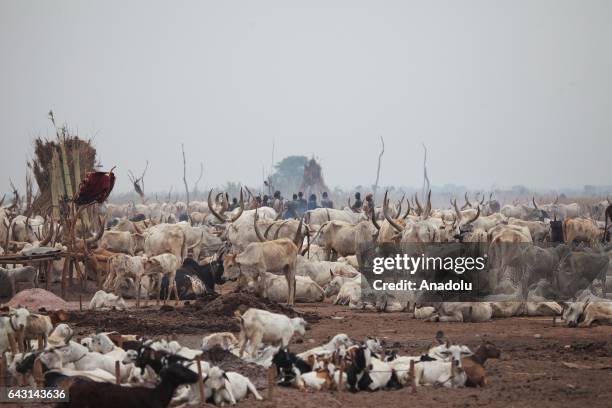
pixel 55 186
pixel 200 380
pixel 341 376
pixel 117 372
pixel 48 266
pixel 412 377
pixel 12 343
pixel 3 369
pixel 20 338
pixel 37 373
pixel 65 276
pixel 271 381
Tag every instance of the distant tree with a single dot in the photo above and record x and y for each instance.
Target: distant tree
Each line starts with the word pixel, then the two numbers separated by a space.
pixel 288 174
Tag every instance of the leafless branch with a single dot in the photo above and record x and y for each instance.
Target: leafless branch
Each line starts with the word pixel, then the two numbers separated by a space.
pixel 382 151
pixel 185 174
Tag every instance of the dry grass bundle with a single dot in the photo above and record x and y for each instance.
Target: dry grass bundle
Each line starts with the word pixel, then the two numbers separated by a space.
pixel 77 151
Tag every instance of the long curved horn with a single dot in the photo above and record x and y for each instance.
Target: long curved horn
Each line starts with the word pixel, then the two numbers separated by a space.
pixel 307 240
pixel 2 201
pixel 482 200
pixel 419 208
pixel 458 214
pixel 211 207
pixel 217 197
pixel 327 212
pixel 475 218
pixel 467 202
pixel 49 235
pixel 394 224
pixel 349 202
pixel 534 203
pixel 399 210
pixel 297 240
pixel 407 210
pixel 556 200
pixel 491 196
pixel 428 206
pixel 241 208
pixel 268 230
pixel 374 220
pixel 279 228
pixel 257 231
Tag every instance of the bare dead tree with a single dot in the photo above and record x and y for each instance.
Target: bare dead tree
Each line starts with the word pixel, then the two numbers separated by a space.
pixel 185 175
pixel 426 185
pixel 382 151
pixel 195 185
pixel 138 183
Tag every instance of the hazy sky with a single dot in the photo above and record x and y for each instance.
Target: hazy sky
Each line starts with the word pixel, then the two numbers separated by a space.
pixel 502 92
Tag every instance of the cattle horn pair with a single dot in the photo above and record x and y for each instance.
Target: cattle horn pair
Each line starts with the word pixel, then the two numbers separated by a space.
pixel 394 224
pixel 219 216
pixel 458 214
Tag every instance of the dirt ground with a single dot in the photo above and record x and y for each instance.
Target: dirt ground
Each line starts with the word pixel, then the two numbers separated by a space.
pixel 530 372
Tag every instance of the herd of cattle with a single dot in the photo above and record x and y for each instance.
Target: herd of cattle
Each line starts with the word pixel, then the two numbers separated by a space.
pixel 110 369
pixel 173 251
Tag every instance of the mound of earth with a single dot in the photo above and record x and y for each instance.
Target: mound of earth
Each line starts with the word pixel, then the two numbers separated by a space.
pixel 227 305
pixel 37 298
pixel 229 362
pixel 206 315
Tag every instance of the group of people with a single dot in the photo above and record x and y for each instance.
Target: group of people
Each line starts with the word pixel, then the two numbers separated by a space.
pixel 298 205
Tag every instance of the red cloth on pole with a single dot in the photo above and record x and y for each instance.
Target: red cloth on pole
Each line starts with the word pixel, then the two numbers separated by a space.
pixel 95 187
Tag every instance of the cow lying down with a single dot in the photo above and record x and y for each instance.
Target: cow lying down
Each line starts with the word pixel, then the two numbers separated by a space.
pixel 585 313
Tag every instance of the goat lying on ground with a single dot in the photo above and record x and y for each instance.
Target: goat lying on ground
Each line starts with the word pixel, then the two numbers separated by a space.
pixel 103 395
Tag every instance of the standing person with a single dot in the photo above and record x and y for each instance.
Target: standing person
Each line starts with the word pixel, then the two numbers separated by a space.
pixel 277 202
pixel 326 202
pixel 356 207
pixel 234 204
pixel 291 208
pixel 312 202
pixel 266 201
pixel 302 204
pixel 256 203
pixel 368 206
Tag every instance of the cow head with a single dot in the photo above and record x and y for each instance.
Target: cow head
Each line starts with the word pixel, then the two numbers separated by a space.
pixel 573 312
pixel 231 267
